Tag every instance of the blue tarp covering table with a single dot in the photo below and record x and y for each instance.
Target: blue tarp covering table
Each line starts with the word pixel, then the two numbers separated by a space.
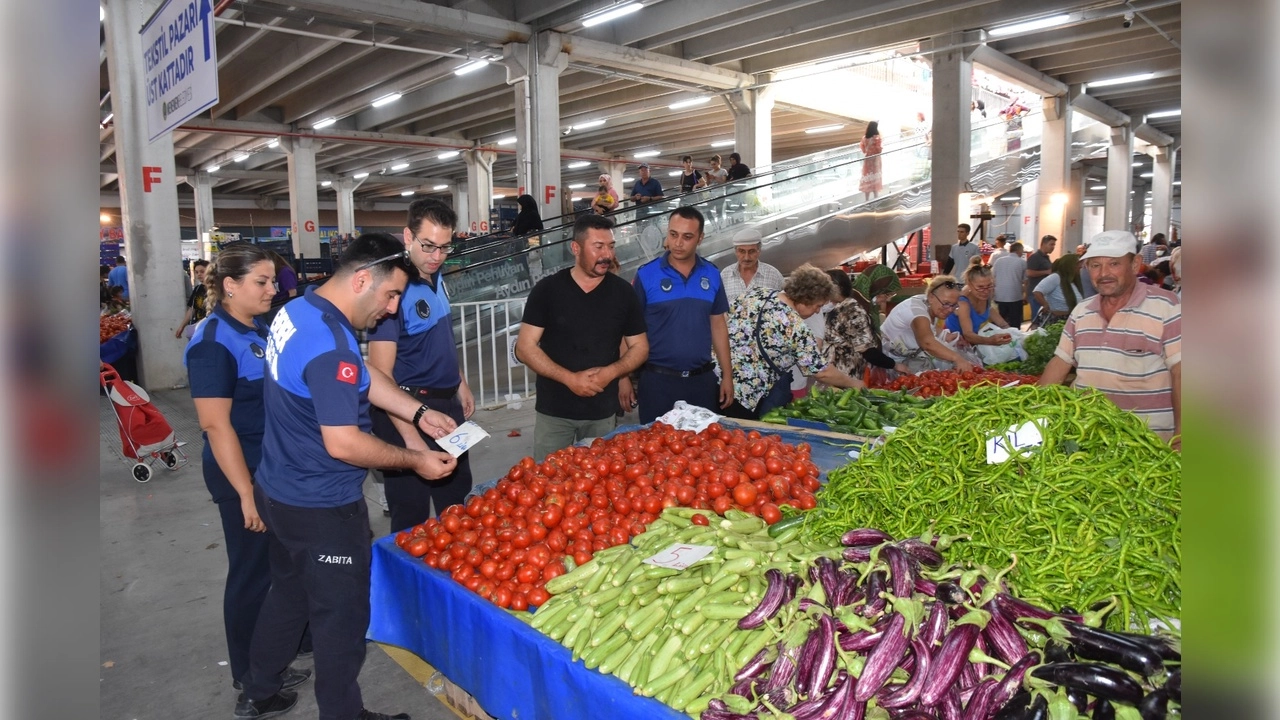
pixel 512 670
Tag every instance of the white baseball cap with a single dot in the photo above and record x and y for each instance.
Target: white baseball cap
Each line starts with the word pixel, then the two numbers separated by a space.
pixel 747 236
pixel 1112 243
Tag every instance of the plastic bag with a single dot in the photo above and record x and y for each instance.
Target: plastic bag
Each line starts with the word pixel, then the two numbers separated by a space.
pixel 1010 351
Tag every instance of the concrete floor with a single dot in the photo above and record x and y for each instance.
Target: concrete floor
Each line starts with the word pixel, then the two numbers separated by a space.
pixel 163 652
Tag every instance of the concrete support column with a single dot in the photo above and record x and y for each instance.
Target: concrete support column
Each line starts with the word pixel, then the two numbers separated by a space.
pixel 952 89
pixel 202 183
pixel 753 125
pixel 304 200
pixel 479 188
pixel 1119 178
pixel 1055 170
pixel 1162 190
pixel 148 202
pixel 534 68
pixel 458 198
pixel 1138 210
pixel 346 189
pixel 1029 216
pixel 1073 231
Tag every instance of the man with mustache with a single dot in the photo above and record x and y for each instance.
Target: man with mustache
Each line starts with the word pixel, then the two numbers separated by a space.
pixel 575 324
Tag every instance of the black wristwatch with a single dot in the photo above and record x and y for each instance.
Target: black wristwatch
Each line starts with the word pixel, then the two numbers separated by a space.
pixel 417 417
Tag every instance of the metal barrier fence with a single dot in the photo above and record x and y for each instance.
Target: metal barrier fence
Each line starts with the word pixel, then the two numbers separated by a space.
pixel 486 333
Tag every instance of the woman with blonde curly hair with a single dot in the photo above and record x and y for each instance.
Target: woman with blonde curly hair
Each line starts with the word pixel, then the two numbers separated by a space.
pixel 767 337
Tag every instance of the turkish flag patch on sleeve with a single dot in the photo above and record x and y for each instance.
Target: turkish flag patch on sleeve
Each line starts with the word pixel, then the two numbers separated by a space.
pixel 348 373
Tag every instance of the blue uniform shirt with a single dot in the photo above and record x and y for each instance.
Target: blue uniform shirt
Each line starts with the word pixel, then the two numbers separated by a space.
pixel 119 275
pixel 422 330
pixel 677 311
pixel 225 359
pixel 315 376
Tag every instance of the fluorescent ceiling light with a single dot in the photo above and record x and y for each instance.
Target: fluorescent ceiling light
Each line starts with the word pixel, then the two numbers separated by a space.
pixel 612 14
pixel 1041 24
pixel 647 153
pixel 627 179
pixel 722 143
pixel 274 144
pixel 693 102
pixel 102 13
pixel 1010 198
pixel 1097 187
pixel 386 99
pixel 240 158
pixel 579 164
pixel 507 141
pixel 588 125
pixel 326 183
pixel 471 67
pixel 406 193
pixel 448 155
pixel 439 187
pixel 674 173
pixel 214 168
pixel 1146 175
pixel 823 129
pixel 576 186
pixel 1177 182
pixel 399 166
pixel 324 123
pixel 107 119
pixel 1121 80
pixel 1165 113
pixel 498 197
pixel 360 175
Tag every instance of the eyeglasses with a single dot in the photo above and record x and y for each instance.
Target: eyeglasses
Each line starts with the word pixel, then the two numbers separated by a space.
pixel 949 286
pixel 402 256
pixel 429 248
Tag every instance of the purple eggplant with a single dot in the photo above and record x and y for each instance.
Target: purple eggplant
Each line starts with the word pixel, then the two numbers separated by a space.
pixel 1011 683
pixel 1014 707
pixel 808 709
pixel 875 585
pixel 923 552
pixel 908 694
pixel 950 659
pixel 828 574
pixel 783 673
pixel 864 537
pixel 1103 710
pixel 861 640
pixel 1156 644
pixel 883 659
pixel 902 574
pixel 792 586
pixel 709 714
pixel 968 678
pixel 818 658
pixel 856 554
pixel 950 593
pixel 979 707
pixel 914 715
pixel 1023 609
pixel 756 665
pixel 1155 706
pixel 849 592
pixel 1056 652
pixel 925 586
pixel 769 603
pixel 1100 681
pixel 1173 686
pixel 1078 699
pixel 835 700
pixel 1001 634
pixel 779 697
pixel 744 688
pixel 1093 644
pixel 935 624
pixel 950 707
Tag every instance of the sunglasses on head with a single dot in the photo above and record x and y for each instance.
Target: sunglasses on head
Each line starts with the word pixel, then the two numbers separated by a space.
pixel 402 256
pixel 949 285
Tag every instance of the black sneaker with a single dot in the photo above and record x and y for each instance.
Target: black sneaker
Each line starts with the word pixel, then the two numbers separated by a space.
pixel 291 678
pixel 370 715
pixel 278 704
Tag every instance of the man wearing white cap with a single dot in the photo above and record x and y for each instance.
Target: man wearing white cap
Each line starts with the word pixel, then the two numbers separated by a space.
pixel 1126 341
pixel 749 273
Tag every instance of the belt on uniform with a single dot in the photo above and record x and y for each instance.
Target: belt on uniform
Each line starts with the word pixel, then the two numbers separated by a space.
pixel 681 373
pixel 431 393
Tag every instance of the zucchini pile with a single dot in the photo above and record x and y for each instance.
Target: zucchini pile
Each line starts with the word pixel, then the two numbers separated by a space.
pixel 853 411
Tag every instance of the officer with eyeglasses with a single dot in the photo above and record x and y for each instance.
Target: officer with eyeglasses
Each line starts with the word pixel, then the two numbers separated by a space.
pixel 414 346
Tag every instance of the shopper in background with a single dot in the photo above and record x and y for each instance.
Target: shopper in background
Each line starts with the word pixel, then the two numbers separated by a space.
pixel 1086 283
pixel 1010 274
pixel 316 451
pixel 604 202
pixel 738 170
pixel 689 178
pixel 1126 341
pixel 1060 289
pixel 225 367
pixel 607 180
pixel 852 331
pixel 749 273
pixel 716 175
pixel 528 220
pixel 104 286
pixel 999 250
pixel 768 336
pixel 684 306
pixel 414 347
pixel 1155 248
pixel 575 321
pixel 646 188
pixel 119 276
pixel 962 252
pixel 1039 265
pixel 872 181
pixel 286 277
pixel 196 302
pixel 976 306
pixel 914 333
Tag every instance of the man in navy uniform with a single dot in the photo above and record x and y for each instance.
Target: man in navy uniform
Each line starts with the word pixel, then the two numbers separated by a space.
pixel 414 346
pixel 315 452
pixel 684 310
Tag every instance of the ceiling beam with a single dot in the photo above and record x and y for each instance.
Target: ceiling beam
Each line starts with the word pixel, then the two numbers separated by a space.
pixel 1011 70
pixel 449 90
pixel 290 55
pixel 1148 134
pixel 664 66
pixel 423 16
pixel 1094 108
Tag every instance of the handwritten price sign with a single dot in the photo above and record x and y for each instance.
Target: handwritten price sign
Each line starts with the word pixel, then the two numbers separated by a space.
pixel 680 556
pixel 1018 440
pixel 464 438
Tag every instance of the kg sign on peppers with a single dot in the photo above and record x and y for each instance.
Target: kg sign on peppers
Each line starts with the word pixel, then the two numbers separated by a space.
pixel 506 544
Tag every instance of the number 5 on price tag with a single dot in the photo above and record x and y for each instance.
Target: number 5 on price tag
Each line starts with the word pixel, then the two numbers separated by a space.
pixel 679 556
pixel 464 438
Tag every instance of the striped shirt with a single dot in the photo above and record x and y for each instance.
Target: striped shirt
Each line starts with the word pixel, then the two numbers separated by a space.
pixel 1129 358
pixel 767 276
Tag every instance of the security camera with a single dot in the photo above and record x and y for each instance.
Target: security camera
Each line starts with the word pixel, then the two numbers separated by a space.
pixel 1128 20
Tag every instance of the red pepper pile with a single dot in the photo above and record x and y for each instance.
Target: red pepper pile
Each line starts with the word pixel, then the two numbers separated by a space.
pixel 933 383
pixel 506 544
pixel 111 325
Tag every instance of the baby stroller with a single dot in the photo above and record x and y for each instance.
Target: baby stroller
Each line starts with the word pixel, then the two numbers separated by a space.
pixel 145 435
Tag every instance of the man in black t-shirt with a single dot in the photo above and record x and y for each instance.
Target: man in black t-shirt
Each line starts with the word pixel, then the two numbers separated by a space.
pixel 737 169
pixel 197 306
pixel 575 323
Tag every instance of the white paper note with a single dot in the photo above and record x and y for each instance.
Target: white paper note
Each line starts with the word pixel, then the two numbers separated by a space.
pixel 680 556
pixel 463 439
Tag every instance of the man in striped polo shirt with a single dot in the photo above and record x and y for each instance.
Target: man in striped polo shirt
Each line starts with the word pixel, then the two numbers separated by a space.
pixel 1126 341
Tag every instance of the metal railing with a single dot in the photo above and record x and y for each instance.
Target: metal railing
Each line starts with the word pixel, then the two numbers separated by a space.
pixel 486 333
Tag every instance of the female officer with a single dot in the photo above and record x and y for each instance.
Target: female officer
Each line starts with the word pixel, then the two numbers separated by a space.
pixel 225 367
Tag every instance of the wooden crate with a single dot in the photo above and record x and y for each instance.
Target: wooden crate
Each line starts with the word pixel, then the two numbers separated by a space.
pixel 453 697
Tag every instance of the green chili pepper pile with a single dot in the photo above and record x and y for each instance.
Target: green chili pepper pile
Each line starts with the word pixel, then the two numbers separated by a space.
pixel 1093 513
pixel 857 412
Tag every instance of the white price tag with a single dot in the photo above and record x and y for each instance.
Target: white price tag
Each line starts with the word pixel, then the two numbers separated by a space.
pixel 1017 440
pixel 680 556
pixel 463 439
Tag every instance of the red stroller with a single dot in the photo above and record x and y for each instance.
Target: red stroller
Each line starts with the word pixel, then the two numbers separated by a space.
pixel 145 435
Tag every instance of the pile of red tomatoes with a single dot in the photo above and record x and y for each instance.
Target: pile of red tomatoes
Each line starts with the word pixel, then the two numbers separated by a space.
pixel 933 383
pixel 506 544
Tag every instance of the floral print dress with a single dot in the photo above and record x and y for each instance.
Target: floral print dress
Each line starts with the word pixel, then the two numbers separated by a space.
pixel 782 334
pixel 848 333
